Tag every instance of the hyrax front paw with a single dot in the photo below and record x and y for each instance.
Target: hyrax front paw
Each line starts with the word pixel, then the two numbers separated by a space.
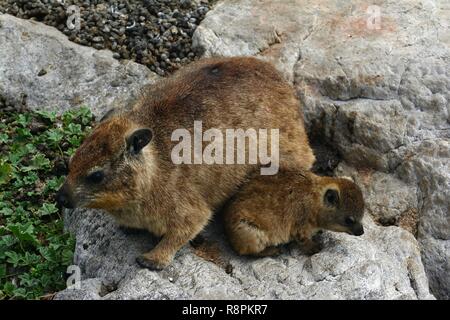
pixel 269 252
pixel 151 263
pixel 310 247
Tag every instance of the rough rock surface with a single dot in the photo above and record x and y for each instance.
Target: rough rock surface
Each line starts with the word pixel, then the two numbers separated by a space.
pixel 375 87
pixel 41 68
pixel 348 267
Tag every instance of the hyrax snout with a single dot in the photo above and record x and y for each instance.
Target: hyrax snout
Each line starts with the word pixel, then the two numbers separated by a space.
pixel 126 165
pixel 291 206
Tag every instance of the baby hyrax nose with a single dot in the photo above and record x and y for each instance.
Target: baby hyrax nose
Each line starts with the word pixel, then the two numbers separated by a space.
pixel 358 230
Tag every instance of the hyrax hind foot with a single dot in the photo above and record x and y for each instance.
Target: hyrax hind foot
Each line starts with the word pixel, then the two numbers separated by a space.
pixel 150 263
pixel 269 252
pixel 310 248
pixel 248 239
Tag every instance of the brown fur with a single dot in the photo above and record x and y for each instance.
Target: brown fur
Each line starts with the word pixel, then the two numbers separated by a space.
pixel 176 201
pixel 274 210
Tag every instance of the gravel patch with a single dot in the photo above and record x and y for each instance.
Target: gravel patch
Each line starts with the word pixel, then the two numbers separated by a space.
pixel 156 33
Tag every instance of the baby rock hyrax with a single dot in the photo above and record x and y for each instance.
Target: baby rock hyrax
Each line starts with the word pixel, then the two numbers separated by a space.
pixel 125 165
pixel 291 206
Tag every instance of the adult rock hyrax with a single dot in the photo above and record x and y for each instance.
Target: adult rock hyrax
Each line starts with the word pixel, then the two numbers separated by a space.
pixel 291 206
pixel 125 165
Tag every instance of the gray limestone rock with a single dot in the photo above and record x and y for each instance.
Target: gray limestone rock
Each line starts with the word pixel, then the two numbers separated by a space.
pixel 41 69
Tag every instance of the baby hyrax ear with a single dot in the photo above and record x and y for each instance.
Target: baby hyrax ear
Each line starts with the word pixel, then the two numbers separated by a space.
pixel 138 140
pixel 331 198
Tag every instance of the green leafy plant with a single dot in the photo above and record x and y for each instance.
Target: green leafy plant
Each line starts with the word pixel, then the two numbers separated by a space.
pixel 34 250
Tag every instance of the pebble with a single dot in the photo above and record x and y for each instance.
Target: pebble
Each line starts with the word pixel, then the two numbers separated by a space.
pixel 156 33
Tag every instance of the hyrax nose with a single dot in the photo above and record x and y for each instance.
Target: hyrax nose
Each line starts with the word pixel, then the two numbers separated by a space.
pixel 358 231
pixel 63 199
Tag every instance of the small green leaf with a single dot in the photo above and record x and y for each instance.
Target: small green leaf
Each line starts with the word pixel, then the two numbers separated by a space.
pixel 23 119
pixel 54 135
pixel 13 258
pixel 6 212
pixel 5 172
pixel 4 138
pixel 53 184
pixel 48 209
pixel 23 134
pixel 7 241
pixel 24 232
pixel 2 270
pixel 74 129
pixel 50 115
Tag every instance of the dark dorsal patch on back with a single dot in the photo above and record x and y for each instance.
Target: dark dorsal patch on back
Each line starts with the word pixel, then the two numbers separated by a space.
pixel 215 70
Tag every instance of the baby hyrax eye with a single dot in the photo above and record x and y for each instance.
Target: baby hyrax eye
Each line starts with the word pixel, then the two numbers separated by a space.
pixel 96 177
pixel 331 198
pixel 349 221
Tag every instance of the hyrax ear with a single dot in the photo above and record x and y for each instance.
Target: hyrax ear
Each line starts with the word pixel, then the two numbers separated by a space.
pixel 138 140
pixel 109 114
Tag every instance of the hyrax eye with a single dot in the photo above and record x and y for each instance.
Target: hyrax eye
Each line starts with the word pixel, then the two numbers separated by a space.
pixel 349 221
pixel 96 177
pixel 331 198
